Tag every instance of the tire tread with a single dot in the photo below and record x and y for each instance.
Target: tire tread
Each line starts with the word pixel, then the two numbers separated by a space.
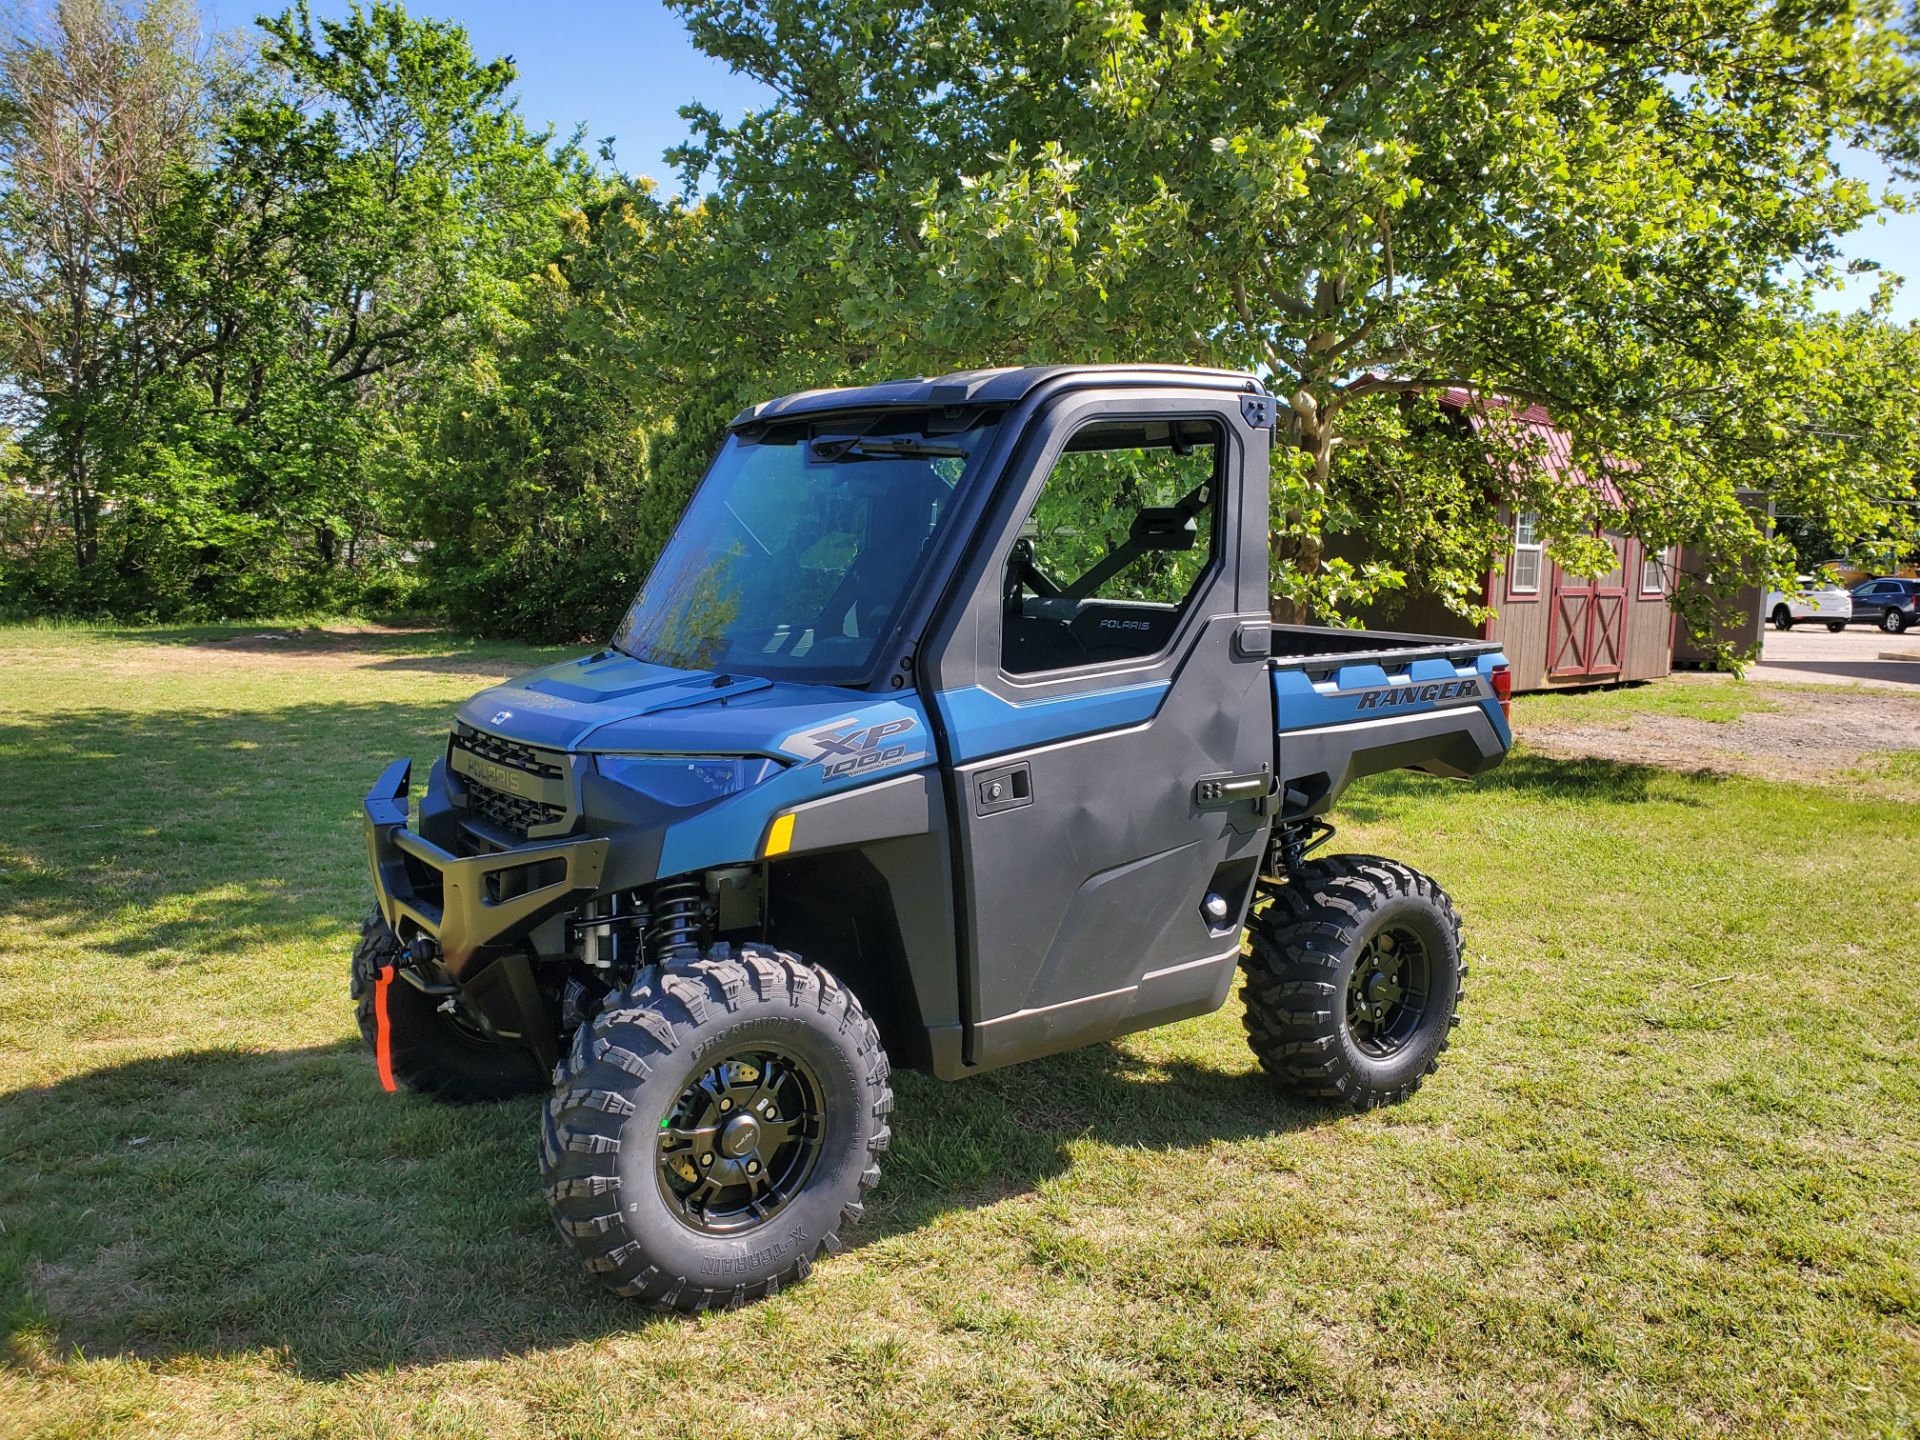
pixel 637 1030
pixel 1294 1008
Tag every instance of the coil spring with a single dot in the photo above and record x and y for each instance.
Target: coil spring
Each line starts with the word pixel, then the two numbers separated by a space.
pixel 678 909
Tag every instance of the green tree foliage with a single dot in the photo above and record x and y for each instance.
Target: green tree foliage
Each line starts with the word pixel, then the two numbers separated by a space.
pixel 538 511
pixel 295 294
pixel 1619 211
pixel 316 319
pixel 98 108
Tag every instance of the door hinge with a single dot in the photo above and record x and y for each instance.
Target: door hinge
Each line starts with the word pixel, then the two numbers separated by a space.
pixel 1221 792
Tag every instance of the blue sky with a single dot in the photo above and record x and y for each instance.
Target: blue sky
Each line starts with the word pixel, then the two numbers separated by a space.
pixel 624 69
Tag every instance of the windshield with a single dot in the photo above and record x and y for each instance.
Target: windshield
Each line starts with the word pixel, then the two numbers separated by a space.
pixel 797 552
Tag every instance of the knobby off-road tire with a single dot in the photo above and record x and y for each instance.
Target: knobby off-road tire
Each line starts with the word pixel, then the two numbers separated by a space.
pixel 431 1052
pixel 1353 933
pixel 643 1149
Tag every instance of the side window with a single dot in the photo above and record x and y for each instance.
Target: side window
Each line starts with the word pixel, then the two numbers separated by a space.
pixel 1653 571
pixel 1523 575
pixel 1105 565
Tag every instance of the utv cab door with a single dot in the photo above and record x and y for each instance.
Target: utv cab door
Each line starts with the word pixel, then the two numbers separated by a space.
pixel 1103 697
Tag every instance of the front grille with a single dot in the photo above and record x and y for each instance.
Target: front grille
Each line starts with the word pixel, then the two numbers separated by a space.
pixel 509 752
pixel 514 814
pixel 509 812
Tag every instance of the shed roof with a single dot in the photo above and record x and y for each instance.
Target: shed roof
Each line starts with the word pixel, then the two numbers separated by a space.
pixel 1530 430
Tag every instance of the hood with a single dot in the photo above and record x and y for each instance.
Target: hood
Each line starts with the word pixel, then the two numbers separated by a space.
pixel 608 701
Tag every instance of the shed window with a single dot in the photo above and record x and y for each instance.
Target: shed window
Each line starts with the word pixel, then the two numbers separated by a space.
pixel 1523 574
pixel 1653 571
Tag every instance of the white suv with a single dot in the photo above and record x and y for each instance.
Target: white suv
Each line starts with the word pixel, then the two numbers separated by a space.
pixel 1814 597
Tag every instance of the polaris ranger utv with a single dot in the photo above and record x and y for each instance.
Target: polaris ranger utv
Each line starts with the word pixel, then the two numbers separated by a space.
pixel 949 730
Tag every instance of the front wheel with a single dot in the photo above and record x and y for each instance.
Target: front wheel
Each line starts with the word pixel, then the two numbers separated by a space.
pixel 1836 626
pixel 714 1128
pixel 1782 618
pixel 1893 622
pixel 429 1050
pixel 1354 972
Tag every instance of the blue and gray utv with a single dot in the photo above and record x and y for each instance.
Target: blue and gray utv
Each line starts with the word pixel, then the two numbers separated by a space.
pixel 949 730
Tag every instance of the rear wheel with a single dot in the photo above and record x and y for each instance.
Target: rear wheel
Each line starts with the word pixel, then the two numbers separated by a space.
pixel 1894 622
pixel 429 1049
pixel 715 1127
pixel 1836 626
pixel 1354 975
pixel 1782 618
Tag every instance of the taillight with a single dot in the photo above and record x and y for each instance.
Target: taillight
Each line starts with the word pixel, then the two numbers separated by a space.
pixel 1503 689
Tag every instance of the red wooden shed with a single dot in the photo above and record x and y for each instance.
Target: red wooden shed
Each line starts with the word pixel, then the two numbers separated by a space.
pixel 1558 630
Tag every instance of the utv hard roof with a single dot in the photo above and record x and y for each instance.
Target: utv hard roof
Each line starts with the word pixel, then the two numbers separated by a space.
pixel 1007 386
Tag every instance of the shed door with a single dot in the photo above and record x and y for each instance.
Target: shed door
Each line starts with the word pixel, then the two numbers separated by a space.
pixel 1587 626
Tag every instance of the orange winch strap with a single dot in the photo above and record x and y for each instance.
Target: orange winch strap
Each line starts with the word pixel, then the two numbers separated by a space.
pixel 382 1031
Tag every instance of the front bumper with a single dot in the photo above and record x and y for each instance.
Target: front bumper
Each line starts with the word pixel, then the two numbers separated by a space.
pixel 468 904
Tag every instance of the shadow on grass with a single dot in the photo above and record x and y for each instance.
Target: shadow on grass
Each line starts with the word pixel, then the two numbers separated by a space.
pixel 1532 777
pixel 215 1201
pixel 179 832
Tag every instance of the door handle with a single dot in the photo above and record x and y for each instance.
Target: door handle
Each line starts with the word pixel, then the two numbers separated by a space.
pixel 1006 787
pixel 1252 640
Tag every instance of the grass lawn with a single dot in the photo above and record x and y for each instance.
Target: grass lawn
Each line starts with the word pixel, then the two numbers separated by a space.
pixel 1666 1183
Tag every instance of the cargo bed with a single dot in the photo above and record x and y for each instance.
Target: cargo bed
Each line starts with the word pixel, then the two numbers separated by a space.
pixel 1353 703
pixel 1326 648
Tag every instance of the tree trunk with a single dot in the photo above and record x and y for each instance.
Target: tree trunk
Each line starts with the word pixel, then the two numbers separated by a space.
pixel 82 505
pixel 1290 547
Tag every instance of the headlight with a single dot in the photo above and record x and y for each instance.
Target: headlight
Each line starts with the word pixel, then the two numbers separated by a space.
pixel 684 782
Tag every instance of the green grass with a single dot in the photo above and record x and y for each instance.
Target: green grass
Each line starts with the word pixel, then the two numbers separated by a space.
pixel 1714 698
pixel 1664 1183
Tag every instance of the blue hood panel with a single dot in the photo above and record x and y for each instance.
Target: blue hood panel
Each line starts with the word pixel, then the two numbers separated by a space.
pixel 828 739
pixel 611 702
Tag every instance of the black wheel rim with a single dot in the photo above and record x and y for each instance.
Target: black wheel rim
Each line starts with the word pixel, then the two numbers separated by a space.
pixel 1388 990
pixel 741 1141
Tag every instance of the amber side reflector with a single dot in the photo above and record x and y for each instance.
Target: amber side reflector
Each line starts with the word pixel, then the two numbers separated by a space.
pixel 1503 689
pixel 779 836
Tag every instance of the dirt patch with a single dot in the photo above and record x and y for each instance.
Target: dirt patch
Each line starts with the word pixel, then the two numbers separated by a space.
pixel 323 637
pixel 306 649
pixel 1812 735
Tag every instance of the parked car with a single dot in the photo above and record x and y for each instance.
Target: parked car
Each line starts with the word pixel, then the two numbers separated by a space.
pixel 1891 603
pixel 1813 597
pixel 1852 572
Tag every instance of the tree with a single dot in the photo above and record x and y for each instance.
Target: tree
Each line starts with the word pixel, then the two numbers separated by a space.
pixel 238 291
pixel 540 512
pixel 1617 211
pixel 97 109
pixel 356 243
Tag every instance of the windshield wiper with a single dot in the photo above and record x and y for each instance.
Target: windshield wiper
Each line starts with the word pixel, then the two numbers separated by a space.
pixel 894 448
